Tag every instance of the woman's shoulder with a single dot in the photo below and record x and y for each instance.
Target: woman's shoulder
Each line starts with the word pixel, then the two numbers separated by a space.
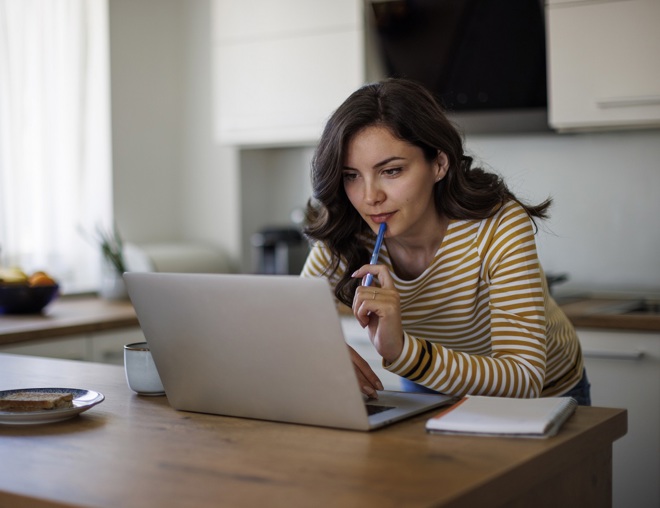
pixel 511 208
pixel 508 212
pixel 510 220
pixel 320 253
pixel 320 263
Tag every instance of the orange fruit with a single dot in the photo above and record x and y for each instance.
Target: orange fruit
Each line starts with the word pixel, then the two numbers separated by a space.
pixel 41 279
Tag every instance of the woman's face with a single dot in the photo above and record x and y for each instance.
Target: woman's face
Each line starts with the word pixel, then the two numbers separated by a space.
pixel 388 180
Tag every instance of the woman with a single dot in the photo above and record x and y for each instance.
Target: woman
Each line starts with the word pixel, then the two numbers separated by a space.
pixel 460 304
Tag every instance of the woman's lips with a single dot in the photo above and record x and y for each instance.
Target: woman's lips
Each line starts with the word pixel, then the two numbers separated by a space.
pixel 381 217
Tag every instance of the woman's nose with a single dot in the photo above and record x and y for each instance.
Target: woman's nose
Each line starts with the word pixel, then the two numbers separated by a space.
pixel 373 194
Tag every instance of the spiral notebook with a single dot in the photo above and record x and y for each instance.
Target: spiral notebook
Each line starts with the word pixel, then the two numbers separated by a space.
pixel 504 417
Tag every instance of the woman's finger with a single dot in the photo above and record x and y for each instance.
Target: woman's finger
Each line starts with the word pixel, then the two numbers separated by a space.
pixel 370 300
pixel 367 378
pixel 380 273
pixel 379 311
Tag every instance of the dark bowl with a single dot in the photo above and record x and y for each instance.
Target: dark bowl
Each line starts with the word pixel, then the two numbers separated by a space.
pixel 23 299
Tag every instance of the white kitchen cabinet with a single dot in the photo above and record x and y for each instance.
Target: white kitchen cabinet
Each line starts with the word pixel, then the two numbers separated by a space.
pixel 102 347
pixel 624 370
pixel 68 348
pixel 281 68
pixel 603 65
pixel 108 347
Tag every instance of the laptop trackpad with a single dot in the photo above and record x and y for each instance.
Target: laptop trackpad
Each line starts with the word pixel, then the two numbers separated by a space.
pixel 373 409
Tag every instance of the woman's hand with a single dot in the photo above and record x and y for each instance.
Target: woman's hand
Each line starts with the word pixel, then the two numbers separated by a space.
pixel 367 378
pixel 379 310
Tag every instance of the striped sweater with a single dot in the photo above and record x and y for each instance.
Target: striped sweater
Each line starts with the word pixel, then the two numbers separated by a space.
pixel 480 319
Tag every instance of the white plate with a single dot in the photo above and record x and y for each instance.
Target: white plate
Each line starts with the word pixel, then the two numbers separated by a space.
pixel 82 401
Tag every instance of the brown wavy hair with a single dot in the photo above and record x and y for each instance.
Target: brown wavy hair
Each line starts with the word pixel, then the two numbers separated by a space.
pixel 411 114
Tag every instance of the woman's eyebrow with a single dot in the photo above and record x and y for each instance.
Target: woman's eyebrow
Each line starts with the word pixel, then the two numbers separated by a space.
pixel 380 164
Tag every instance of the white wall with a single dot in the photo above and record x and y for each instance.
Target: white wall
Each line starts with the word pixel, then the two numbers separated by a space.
pixel 173 182
pixel 604 227
pixel 209 172
pixel 146 88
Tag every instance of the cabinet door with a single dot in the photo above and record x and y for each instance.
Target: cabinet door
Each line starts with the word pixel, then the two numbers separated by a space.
pixel 278 79
pixel 624 371
pixel 69 348
pixel 108 346
pixel 266 19
pixel 604 70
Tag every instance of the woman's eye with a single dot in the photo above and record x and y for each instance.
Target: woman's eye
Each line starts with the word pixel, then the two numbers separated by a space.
pixel 349 177
pixel 392 171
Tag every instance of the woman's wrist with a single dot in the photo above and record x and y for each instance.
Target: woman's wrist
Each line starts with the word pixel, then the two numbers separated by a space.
pixel 392 353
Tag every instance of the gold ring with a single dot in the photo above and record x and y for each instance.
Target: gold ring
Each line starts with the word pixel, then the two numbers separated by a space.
pixel 374 296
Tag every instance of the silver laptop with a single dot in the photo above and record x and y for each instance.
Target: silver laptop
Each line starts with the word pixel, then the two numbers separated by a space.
pixel 268 347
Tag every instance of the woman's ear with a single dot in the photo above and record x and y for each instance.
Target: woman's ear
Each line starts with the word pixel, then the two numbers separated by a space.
pixel 441 166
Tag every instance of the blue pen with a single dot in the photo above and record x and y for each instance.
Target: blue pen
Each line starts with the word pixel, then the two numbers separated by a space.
pixel 374 257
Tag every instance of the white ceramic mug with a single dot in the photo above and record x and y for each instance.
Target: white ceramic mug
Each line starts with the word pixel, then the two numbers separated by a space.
pixel 141 373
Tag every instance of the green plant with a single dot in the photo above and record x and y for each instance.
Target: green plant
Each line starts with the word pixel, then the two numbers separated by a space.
pixel 112 247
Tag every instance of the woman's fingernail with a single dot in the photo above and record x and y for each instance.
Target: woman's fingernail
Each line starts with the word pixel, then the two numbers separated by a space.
pixel 379 385
pixel 354 273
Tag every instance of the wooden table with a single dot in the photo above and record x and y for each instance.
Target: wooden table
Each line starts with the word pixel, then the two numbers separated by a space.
pixel 132 451
pixel 67 316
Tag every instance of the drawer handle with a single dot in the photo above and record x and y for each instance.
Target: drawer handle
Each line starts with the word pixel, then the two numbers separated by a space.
pixel 626 102
pixel 614 355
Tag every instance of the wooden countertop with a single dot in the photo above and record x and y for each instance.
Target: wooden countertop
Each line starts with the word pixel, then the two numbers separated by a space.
pixel 604 313
pixel 74 315
pixel 69 315
pixel 595 312
pixel 138 451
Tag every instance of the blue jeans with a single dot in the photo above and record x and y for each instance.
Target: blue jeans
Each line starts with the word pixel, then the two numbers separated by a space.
pixel 581 392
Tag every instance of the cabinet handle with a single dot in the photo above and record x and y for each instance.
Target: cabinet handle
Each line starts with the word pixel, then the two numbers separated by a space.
pixel 614 355
pixel 625 102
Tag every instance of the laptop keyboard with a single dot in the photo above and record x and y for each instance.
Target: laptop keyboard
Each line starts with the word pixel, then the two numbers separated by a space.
pixel 373 409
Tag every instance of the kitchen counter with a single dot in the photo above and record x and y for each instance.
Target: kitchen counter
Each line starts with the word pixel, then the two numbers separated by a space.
pixel 69 315
pixel 601 311
pixel 77 315
pixel 614 313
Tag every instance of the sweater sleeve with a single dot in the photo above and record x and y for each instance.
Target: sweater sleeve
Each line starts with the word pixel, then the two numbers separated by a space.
pixel 510 276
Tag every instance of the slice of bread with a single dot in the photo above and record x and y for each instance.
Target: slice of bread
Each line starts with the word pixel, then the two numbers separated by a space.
pixel 35 401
